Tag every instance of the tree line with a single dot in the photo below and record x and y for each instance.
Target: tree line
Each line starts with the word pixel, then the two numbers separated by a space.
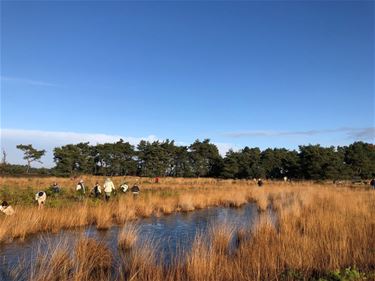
pixel 202 159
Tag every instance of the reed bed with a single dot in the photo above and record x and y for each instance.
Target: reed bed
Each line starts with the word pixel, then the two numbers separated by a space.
pixel 171 195
pixel 318 231
pixel 321 233
pixel 123 207
pixel 28 220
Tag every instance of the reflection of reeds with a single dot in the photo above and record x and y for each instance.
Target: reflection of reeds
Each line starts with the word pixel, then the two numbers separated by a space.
pixel 128 236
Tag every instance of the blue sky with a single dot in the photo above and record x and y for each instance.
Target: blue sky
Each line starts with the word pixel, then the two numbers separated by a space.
pixel 267 74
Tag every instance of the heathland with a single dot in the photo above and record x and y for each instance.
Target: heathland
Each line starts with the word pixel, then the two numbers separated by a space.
pixel 322 230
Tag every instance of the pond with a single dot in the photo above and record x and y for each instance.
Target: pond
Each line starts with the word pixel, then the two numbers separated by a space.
pixel 172 234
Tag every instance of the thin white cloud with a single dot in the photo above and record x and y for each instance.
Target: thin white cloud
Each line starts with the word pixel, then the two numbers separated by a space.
pixel 365 133
pixel 28 81
pixel 69 137
pixel 48 140
pixel 351 133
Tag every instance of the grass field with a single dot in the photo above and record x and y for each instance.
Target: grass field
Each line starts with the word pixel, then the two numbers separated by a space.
pixel 322 231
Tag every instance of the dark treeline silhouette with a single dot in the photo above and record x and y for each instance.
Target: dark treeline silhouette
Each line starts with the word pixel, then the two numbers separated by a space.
pixel 202 159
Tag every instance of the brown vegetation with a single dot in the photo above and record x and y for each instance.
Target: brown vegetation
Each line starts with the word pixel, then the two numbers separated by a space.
pixel 127 237
pixel 176 195
pixel 319 229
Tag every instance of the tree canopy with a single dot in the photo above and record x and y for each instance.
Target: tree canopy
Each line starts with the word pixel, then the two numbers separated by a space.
pixel 30 154
pixel 202 159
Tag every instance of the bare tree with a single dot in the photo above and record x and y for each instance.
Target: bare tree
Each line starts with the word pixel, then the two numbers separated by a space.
pixel 4 159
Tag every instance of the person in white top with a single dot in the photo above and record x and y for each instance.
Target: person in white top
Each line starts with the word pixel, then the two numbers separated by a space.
pixel 108 188
pixel 41 197
pixel 6 208
pixel 80 188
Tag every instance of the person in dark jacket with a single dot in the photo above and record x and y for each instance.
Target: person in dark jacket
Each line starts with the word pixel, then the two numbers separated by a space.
pixel 260 182
pixel 372 183
pixel 55 188
pixel 97 190
pixel 135 189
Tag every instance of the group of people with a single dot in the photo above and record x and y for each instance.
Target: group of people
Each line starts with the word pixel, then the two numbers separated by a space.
pixel 108 188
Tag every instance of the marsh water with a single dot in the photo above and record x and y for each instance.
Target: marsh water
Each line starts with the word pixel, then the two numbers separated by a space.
pixel 170 235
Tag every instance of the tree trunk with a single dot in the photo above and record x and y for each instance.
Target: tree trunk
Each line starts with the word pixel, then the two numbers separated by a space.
pixel 28 167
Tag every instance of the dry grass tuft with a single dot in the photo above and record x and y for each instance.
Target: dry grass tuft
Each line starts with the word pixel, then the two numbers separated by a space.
pixel 261 198
pixel 128 236
pixel 93 260
pixel 221 236
pixel 186 203
pixel 140 264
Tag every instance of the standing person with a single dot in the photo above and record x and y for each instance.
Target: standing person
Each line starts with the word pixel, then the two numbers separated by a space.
pixel 108 188
pixel 260 182
pixel 6 208
pixel 372 183
pixel 97 191
pixel 80 188
pixel 55 187
pixel 41 197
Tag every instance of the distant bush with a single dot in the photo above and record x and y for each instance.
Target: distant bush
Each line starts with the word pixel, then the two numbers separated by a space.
pixel 20 170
